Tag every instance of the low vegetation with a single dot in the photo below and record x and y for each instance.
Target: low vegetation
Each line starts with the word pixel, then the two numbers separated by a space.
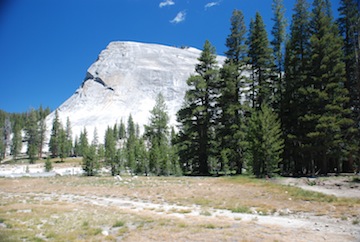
pixel 101 208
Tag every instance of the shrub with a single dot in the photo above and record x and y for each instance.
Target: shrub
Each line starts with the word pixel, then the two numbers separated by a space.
pixel 48 164
pixel 119 223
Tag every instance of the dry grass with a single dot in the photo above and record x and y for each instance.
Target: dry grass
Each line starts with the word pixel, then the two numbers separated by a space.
pixel 25 214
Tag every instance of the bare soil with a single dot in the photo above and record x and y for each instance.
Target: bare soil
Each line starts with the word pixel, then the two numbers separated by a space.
pixel 340 186
pixel 73 208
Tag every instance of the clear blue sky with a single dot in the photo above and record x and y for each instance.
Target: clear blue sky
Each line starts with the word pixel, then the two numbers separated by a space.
pixel 46 46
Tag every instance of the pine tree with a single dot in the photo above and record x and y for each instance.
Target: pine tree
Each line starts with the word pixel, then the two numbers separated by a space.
pixel 62 144
pixel 197 115
pixel 16 140
pixel 6 137
pixel 122 130
pixel 2 144
pixel 232 87
pixel 262 63
pixel 349 24
pixel 48 164
pixel 327 116
pixel 278 32
pixel 76 146
pixel 265 143
pixel 54 137
pixel 130 144
pixel 295 100
pixel 83 144
pixel 110 151
pixel 157 133
pixel 32 136
pixel 95 140
pixel 68 138
pixel 142 164
pixel 42 134
pixel 174 154
pixel 90 161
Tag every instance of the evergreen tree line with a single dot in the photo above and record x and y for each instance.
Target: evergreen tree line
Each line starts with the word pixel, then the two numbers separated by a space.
pixel 123 149
pixel 33 125
pixel 288 105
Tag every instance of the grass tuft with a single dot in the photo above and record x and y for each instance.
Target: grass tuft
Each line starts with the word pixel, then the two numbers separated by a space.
pixel 241 209
pixel 118 223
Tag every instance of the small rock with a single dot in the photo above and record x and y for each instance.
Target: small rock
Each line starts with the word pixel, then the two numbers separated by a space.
pixel 118 178
pixel 105 232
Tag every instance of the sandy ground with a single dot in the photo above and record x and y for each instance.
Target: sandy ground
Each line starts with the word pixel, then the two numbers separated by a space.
pixel 338 186
pixel 172 199
pixel 196 207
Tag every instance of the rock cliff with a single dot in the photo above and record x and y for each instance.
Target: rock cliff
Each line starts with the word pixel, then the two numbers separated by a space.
pixel 124 80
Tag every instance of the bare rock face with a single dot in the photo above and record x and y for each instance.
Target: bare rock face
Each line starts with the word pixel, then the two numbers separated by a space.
pixel 126 79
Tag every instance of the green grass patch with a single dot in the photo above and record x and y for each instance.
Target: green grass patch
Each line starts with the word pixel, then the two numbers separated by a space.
pixel 241 209
pixel 293 192
pixel 118 223
pixel 209 226
pixel 306 195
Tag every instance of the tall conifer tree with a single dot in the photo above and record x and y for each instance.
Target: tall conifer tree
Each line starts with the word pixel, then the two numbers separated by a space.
pixel 278 32
pixel 32 136
pixel 54 137
pixel 262 63
pixel 327 115
pixel 265 142
pixel 157 132
pixel 197 115
pixel 232 87
pixel 16 140
pixel 110 151
pixel 349 23
pixel 297 63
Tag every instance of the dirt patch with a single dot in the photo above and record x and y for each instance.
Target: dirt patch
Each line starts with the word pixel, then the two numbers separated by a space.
pixel 346 186
pixel 169 209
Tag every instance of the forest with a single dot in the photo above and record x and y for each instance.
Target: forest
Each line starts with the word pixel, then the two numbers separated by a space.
pixel 284 103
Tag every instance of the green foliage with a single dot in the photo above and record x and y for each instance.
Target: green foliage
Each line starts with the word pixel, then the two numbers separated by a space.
pixel 118 223
pixel 197 114
pixel 83 143
pixel 232 86
pixel 157 133
pixel 90 161
pixel 130 144
pixel 16 141
pixel 262 63
pixel 349 25
pixel 122 130
pixel 225 161
pixel 295 100
pixel 142 156
pixel 265 143
pixel 2 145
pixel 13 123
pixel 241 209
pixel 32 136
pixel 278 32
pixel 327 116
pixel 54 144
pixel 110 150
pixel 48 164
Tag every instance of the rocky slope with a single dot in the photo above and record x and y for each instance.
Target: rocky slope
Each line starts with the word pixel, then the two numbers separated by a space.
pixel 126 79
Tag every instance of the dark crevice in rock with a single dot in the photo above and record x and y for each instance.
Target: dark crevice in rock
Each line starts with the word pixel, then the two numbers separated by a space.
pixel 89 76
